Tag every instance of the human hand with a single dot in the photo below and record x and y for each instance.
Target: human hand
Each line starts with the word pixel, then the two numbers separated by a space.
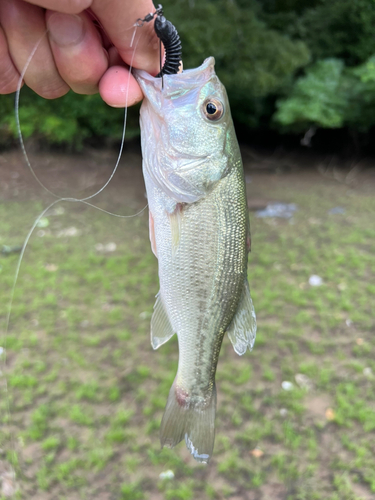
pixel 76 54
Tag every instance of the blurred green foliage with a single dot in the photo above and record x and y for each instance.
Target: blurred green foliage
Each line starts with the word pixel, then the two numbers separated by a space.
pixel 67 120
pixel 331 95
pixel 286 64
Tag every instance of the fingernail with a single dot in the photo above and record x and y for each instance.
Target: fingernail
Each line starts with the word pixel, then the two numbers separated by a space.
pixel 65 29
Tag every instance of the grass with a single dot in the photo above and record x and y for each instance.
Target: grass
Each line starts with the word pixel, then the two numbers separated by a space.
pixel 86 391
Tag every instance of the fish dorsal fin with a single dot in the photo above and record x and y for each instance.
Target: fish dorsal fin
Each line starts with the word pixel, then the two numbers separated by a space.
pixel 161 328
pixel 242 330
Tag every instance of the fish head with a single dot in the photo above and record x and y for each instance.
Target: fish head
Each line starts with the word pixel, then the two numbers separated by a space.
pixel 188 137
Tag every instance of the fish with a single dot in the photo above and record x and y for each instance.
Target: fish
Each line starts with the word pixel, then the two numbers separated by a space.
pixel 200 234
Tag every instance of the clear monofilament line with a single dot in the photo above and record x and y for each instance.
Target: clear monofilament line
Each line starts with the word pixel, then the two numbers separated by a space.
pixel 3 357
pixel 123 129
pixel 20 136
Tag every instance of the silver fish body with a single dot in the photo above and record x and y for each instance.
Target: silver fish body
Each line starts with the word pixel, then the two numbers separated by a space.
pixel 200 234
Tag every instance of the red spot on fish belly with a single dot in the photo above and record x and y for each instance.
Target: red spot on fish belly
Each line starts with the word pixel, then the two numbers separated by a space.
pixel 182 396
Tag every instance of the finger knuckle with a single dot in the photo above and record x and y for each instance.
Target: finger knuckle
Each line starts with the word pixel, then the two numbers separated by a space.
pixel 9 79
pixel 52 89
pixel 87 79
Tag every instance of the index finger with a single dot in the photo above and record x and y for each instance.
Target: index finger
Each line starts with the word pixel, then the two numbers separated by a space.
pixel 65 6
pixel 118 18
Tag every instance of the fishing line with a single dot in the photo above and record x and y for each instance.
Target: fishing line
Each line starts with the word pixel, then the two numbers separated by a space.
pixel 3 355
pixel 20 136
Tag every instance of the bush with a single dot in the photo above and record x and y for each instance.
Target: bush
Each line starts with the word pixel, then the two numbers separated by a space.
pixel 331 96
pixel 68 120
pixel 261 49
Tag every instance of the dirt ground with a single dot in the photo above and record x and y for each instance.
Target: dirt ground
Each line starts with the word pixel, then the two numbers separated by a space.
pixel 80 175
pixel 312 440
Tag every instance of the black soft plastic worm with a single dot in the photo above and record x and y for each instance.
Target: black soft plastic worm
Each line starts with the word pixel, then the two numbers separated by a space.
pixel 172 45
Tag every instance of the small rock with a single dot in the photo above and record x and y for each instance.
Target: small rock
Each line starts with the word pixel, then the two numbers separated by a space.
pixel 168 474
pixel 359 341
pixel 367 372
pixel 8 484
pixel 313 221
pixel 1 350
pixel 348 322
pixel 330 414
pixel 287 386
pixel 315 280
pixel 43 222
pixel 69 231
pixel 337 210
pixel 257 453
pixel 282 210
pixel 110 247
pixel 51 267
pixel 56 210
pixel 303 381
pixel 283 412
pixel 7 250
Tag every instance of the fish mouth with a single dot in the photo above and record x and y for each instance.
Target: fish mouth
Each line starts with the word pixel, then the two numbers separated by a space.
pixel 172 85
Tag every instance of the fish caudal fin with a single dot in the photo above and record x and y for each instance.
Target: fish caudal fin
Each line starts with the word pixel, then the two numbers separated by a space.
pixel 194 423
pixel 242 330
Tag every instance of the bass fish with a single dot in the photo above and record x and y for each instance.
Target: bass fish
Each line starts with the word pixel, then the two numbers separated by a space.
pixel 199 231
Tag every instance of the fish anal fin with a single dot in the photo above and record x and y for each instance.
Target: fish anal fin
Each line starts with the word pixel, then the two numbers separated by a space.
pixel 195 423
pixel 242 330
pixel 161 328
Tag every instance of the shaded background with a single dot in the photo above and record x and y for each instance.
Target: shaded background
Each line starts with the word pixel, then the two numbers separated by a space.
pixel 289 67
pixel 296 417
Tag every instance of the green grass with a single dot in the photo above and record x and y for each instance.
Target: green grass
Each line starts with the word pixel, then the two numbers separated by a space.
pixel 86 391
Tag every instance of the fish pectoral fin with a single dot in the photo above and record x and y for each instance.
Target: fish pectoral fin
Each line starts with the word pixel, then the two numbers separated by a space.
pixel 175 219
pixel 161 328
pixel 152 234
pixel 242 330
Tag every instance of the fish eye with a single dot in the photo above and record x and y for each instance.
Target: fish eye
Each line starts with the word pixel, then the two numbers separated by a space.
pixel 213 109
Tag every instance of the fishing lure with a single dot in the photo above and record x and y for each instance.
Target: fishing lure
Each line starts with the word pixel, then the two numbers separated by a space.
pixel 170 39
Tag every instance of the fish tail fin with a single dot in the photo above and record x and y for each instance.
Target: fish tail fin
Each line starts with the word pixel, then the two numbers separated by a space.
pixel 195 423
